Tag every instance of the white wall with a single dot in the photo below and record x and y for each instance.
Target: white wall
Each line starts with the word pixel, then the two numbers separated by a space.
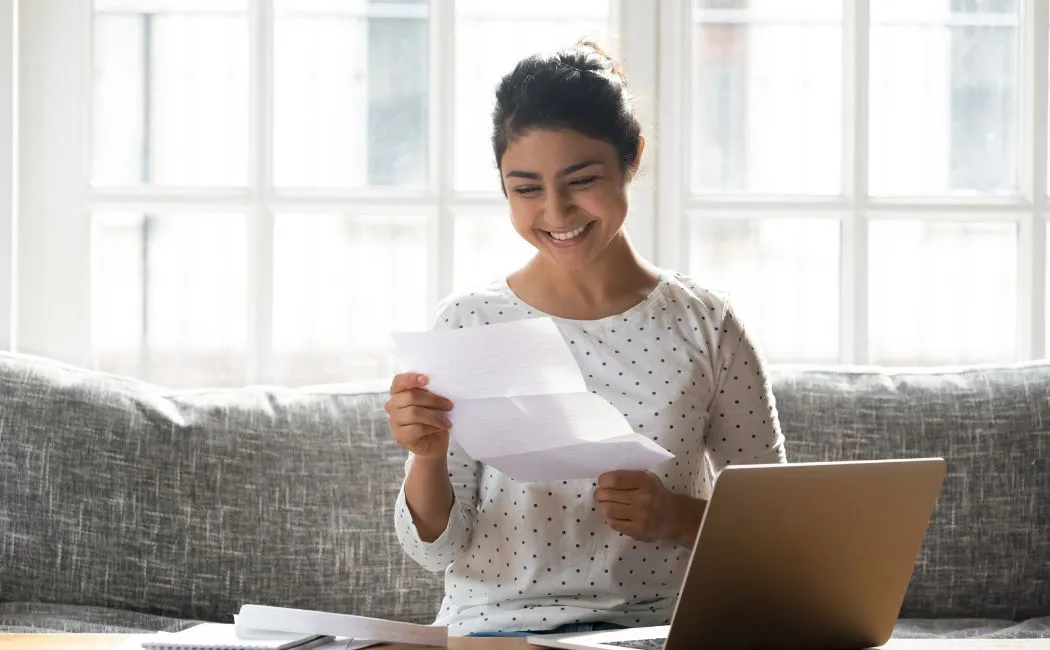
pixel 54 68
pixel 8 142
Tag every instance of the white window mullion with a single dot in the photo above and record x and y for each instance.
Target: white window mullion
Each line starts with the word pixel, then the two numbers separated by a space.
pixel 1032 234
pixel 1038 26
pixel 1031 266
pixel 8 171
pixel 260 216
pixel 854 258
pixel 54 274
pixel 747 206
pixel 442 27
pixel 637 24
pixel 672 131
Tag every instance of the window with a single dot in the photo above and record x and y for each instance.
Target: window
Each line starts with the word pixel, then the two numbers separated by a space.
pixel 870 199
pixel 300 237
pixel 269 187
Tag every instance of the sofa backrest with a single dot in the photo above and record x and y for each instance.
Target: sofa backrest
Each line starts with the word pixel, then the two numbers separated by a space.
pixel 987 550
pixel 116 493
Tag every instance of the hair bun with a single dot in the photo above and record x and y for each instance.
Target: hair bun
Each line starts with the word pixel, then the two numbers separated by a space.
pixel 578 87
pixel 610 64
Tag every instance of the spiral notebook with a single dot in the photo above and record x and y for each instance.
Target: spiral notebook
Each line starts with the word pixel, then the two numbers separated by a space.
pixel 224 636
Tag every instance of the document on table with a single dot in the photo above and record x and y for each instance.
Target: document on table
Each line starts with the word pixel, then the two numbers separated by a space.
pixel 364 630
pixel 520 403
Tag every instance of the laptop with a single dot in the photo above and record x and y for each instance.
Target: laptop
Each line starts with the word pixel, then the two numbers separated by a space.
pixel 814 556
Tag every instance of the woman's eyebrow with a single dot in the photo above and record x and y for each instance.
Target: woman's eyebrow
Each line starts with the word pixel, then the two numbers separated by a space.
pixel 516 173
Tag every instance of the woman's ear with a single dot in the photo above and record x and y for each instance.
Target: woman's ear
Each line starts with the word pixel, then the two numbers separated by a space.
pixel 633 169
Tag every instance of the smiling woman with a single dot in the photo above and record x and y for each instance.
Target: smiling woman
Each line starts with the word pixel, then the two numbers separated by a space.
pixel 567 143
pixel 667 353
pixel 570 211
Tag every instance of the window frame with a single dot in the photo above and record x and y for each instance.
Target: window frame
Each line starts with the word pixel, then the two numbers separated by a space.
pixel 8 180
pixel 49 300
pixel 67 40
pixel 854 208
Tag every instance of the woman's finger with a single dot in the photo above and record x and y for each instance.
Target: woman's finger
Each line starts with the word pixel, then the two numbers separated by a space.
pixel 420 415
pixel 627 527
pixel 602 495
pixel 419 397
pixel 407 381
pixel 616 511
pixel 412 433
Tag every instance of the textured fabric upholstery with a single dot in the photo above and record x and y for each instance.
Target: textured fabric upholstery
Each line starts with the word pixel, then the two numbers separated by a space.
pixel 125 506
pixel 113 494
pixel 51 617
pixel 987 551
pixel 972 628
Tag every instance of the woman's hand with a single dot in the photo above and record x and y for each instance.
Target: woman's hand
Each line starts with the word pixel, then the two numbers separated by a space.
pixel 638 505
pixel 417 416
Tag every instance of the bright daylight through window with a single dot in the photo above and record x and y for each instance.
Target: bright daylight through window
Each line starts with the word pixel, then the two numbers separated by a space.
pixel 277 184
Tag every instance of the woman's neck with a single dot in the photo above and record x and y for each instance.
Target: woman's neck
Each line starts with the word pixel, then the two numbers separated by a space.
pixel 619 279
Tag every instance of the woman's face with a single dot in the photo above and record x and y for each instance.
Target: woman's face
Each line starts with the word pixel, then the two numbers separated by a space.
pixel 567 194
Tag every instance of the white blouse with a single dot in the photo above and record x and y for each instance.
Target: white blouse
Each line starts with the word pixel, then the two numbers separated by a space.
pixel 534 556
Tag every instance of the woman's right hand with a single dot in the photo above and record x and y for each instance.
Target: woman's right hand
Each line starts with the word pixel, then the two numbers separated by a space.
pixel 417 416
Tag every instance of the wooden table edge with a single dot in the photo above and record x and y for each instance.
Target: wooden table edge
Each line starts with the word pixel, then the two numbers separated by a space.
pixel 71 641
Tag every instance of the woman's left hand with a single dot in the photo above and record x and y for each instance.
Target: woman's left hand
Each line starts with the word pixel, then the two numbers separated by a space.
pixel 638 505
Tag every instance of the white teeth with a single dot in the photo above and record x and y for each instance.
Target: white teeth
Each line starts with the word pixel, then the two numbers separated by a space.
pixel 572 234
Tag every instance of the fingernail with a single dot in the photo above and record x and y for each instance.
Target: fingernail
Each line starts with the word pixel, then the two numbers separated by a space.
pixel 422 380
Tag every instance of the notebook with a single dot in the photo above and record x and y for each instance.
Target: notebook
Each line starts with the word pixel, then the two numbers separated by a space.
pixel 225 636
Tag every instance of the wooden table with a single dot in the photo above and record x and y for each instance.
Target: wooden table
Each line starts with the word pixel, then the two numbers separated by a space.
pixel 99 641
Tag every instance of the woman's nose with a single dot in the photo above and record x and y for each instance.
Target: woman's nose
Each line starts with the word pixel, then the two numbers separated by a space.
pixel 558 208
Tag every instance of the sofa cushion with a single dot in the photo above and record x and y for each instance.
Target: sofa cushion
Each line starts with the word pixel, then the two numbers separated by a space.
pixel 49 617
pixel 119 495
pixel 987 551
pixel 970 628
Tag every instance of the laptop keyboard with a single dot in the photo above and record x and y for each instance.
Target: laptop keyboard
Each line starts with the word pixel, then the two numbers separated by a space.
pixel 640 644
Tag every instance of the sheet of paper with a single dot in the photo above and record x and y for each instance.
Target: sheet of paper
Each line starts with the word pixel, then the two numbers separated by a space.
pixel 226 635
pixel 584 460
pixel 135 642
pixel 347 644
pixel 521 404
pixel 347 626
pixel 462 363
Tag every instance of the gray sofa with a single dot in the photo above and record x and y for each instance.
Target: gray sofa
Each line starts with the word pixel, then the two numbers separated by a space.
pixel 126 507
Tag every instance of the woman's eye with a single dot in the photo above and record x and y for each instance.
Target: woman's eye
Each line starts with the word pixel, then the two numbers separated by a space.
pixel 580 182
pixel 527 190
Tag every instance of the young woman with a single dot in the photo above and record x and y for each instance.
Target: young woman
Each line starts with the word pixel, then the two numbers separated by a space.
pixel 672 356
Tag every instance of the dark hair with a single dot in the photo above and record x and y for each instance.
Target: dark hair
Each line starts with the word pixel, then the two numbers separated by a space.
pixel 580 88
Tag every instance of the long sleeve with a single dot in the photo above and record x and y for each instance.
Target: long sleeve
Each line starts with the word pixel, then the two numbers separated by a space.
pixel 437 555
pixel 743 426
pixel 463 473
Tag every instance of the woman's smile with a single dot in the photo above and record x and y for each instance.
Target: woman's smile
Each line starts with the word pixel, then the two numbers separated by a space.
pixel 568 238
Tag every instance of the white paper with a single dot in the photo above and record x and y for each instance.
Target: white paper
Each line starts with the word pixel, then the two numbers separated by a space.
pixel 228 636
pixel 462 363
pixel 520 403
pixel 346 626
pixel 337 643
pixel 347 644
pixel 136 642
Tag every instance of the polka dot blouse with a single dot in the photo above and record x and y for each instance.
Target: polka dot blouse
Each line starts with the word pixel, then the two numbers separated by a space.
pixel 533 556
